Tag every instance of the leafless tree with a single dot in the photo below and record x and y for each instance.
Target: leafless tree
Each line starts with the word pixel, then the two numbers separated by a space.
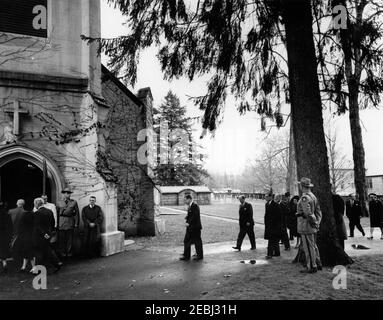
pixel 339 165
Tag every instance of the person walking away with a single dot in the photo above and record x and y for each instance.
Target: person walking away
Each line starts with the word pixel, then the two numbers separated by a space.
pixel 43 226
pixel 376 215
pixel 92 217
pixel 246 223
pixel 22 247
pixel 273 226
pixel 193 230
pixel 338 205
pixel 309 219
pixel 68 222
pixel 6 233
pixel 354 213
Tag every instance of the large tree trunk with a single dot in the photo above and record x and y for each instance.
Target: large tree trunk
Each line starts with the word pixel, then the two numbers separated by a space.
pixel 353 56
pixel 292 176
pixel 358 150
pixel 306 110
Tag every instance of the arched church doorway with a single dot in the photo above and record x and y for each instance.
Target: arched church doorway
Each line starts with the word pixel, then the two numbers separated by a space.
pixel 21 176
pixel 21 179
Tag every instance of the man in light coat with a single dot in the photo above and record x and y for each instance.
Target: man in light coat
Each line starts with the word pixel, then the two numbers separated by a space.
pixel 309 219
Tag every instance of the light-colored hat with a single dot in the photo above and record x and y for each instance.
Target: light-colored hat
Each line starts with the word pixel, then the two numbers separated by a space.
pixel 306 182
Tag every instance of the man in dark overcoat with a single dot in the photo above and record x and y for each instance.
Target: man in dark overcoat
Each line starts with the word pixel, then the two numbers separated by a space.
pixel 92 217
pixel 354 213
pixel 376 215
pixel 246 224
pixel 193 230
pixel 43 227
pixel 273 226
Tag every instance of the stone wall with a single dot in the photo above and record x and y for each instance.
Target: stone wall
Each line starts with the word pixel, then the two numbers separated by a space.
pixel 126 117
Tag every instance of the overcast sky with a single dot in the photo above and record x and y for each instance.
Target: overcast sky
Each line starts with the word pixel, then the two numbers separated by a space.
pixel 238 138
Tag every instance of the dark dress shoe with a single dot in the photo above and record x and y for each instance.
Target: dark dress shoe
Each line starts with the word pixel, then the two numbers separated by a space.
pixel 197 258
pixel 313 270
pixel 58 267
pixel 184 259
pixel 269 257
pixel 236 248
pixel 253 248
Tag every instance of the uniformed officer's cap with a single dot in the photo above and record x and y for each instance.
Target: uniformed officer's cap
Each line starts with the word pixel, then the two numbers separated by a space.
pixel 306 182
pixel 67 190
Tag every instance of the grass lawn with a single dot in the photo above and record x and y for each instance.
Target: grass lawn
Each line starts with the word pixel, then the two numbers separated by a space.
pixel 213 231
pixel 230 210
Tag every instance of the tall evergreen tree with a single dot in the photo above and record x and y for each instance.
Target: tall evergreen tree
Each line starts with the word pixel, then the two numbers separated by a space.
pixel 178 161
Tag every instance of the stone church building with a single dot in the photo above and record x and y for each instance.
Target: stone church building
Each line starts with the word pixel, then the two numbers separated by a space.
pixel 66 121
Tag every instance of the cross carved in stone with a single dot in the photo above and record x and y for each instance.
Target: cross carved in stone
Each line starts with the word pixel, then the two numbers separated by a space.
pixel 16 111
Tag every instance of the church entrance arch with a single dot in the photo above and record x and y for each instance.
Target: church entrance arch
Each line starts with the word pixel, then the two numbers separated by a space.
pixel 21 176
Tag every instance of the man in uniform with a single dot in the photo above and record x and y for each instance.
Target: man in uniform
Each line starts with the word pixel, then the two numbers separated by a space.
pixel 68 221
pixel 193 230
pixel 246 224
pixel 309 219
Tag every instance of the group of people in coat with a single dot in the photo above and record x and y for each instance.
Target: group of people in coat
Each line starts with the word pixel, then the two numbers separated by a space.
pixel 301 216
pixel 45 236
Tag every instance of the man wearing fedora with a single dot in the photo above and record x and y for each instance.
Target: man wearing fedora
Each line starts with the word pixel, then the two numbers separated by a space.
pixel 309 218
pixel 68 220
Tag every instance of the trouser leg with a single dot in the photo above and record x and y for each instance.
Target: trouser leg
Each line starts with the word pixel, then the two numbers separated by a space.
pixel 276 251
pixel 309 247
pixel 50 255
pixel 39 255
pixel 69 242
pixel 270 248
pixel 63 239
pixel 241 236
pixel 187 245
pixel 198 244
pixel 360 228
pixel 285 239
pixel 250 233
pixel 352 227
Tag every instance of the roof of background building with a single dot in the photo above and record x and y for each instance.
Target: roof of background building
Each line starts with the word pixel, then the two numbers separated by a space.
pixel 178 189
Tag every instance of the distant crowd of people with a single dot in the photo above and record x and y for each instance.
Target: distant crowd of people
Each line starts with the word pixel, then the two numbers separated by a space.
pixel 287 218
pixel 46 235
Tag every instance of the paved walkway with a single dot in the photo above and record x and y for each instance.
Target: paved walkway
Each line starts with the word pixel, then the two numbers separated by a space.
pixel 154 273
